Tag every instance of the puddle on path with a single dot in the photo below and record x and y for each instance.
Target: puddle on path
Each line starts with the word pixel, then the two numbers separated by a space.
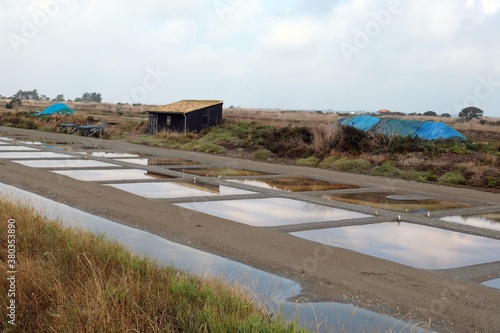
pixel 177 190
pixel 487 220
pixel 39 154
pixel 157 161
pixel 224 172
pixel 269 290
pixel 110 175
pixel 410 244
pixel 395 201
pixel 495 283
pixel 107 154
pixel 271 212
pixel 68 163
pixel 295 184
pixel 17 148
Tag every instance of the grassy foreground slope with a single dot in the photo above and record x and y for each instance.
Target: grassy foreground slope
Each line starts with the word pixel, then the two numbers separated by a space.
pixel 73 281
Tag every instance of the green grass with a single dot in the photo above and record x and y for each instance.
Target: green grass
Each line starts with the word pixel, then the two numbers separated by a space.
pixel 73 281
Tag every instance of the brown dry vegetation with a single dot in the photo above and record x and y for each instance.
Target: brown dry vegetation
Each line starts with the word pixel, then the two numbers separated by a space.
pixel 305 138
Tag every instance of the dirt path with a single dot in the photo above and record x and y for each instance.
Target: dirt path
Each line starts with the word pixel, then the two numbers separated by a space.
pixel 448 299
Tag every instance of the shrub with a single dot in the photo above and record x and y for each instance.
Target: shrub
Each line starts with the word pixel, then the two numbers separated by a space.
pixel 452 178
pixel 262 154
pixel 387 169
pixel 327 162
pixel 420 176
pixel 311 161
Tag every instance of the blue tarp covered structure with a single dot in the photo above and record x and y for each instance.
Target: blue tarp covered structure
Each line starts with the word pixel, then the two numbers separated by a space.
pixel 59 108
pixel 425 130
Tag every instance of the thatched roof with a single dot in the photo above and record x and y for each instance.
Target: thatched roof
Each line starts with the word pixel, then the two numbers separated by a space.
pixel 185 106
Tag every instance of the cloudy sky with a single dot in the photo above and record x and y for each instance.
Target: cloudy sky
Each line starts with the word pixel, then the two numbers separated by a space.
pixel 409 56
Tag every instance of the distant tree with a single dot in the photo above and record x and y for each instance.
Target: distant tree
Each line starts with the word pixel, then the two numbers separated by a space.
pixel 91 97
pixel 470 112
pixel 446 115
pixel 430 113
pixel 27 95
pixel 78 100
pixel 59 98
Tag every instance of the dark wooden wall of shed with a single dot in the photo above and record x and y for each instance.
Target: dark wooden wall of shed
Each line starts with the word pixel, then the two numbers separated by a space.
pixel 196 120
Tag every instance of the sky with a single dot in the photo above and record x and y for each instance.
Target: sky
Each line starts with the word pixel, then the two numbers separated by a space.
pixel 344 55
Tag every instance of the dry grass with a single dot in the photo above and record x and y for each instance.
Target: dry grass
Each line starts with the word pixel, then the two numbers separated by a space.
pixel 73 281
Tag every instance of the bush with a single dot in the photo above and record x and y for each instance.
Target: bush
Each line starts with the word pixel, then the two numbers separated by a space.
pixel 452 178
pixel 262 154
pixel 387 169
pixel 311 161
pixel 327 162
pixel 420 176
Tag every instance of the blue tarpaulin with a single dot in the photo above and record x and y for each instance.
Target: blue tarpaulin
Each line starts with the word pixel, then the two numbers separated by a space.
pixel 363 123
pixel 59 108
pixel 426 130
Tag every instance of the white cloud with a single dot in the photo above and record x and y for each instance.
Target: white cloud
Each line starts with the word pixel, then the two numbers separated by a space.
pixel 259 54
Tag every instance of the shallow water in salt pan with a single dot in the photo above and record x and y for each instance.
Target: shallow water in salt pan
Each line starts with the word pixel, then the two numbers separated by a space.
pixel 157 161
pixel 178 190
pixel 68 163
pixel 17 148
pixel 224 172
pixel 270 290
pixel 410 244
pixel 294 184
pixel 395 201
pixel 487 220
pixel 495 283
pixel 108 154
pixel 35 154
pixel 271 212
pixel 110 175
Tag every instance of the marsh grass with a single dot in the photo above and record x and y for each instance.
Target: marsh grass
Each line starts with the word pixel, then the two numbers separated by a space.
pixel 73 281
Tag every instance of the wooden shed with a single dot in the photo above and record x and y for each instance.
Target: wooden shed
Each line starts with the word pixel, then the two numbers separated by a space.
pixel 185 116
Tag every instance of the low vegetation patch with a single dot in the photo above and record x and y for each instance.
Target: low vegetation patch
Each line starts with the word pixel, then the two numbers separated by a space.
pixel 73 281
pixel 311 139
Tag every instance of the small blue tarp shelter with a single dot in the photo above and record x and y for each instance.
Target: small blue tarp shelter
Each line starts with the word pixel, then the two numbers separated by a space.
pixel 425 130
pixel 58 108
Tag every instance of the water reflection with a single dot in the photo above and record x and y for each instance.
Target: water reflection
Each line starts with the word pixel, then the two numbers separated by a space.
pixel 271 212
pixel 395 201
pixel 68 163
pixel 108 175
pixel 487 221
pixel 17 148
pixel 410 244
pixel 36 154
pixel 225 172
pixel 495 283
pixel 157 161
pixel 269 290
pixel 295 184
pixel 177 190
pixel 107 154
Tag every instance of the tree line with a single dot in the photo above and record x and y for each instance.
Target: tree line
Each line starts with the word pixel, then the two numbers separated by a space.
pixel 33 95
